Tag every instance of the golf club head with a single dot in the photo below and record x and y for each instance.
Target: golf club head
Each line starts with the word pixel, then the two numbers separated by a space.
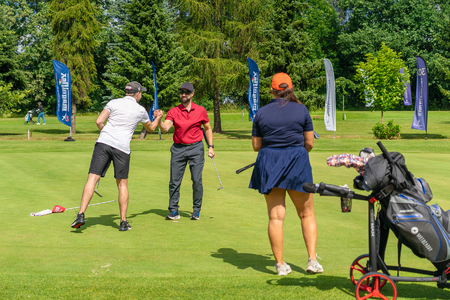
pixel 221 187
pixel 96 190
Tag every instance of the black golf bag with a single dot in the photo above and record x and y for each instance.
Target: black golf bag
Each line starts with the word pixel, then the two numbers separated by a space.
pixel 403 198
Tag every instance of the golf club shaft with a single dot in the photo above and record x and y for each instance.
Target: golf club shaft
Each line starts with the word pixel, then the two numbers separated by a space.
pixel 207 144
pixel 96 190
pixel 217 172
pixel 245 168
pixel 93 204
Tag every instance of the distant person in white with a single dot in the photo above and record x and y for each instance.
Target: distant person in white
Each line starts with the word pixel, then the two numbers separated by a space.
pixel 113 144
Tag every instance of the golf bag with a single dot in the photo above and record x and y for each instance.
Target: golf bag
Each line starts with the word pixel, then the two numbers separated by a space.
pixel 30 114
pixel 403 198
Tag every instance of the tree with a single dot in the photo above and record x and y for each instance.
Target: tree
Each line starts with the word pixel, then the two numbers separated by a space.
pixel 37 55
pixel 381 83
pixel 74 26
pixel 405 26
pixel 442 62
pixel 343 87
pixel 10 60
pixel 13 80
pixel 145 36
pixel 292 46
pixel 10 100
pixel 219 37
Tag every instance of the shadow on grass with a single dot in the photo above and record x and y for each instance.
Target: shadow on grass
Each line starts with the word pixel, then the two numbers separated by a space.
pixel 7 133
pixel 62 131
pixel 321 282
pixel 113 220
pixel 162 213
pixel 421 136
pixel 246 260
pixel 327 282
pixel 237 134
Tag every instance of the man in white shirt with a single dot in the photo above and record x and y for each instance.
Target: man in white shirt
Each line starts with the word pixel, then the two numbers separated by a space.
pixel 113 144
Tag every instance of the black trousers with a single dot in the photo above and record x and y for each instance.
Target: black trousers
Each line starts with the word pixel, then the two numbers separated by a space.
pixel 181 155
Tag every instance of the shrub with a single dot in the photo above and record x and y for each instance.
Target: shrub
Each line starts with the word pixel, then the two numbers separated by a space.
pixel 389 131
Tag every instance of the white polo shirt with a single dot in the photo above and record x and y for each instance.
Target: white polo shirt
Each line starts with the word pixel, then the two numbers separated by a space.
pixel 124 115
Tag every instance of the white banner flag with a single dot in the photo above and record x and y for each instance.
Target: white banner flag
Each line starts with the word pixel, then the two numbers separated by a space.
pixel 330 102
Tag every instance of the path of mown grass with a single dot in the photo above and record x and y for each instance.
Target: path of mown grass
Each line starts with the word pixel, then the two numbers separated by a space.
pixel 226 255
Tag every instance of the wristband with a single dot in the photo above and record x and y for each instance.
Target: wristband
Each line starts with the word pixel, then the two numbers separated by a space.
pixel 211 146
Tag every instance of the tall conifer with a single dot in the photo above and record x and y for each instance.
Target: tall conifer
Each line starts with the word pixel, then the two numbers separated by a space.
pixel 145 34
pixel 74 26
pixel 290 48
pixel 219 36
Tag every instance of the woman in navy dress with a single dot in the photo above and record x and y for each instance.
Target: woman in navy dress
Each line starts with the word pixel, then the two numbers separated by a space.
pixel 283 135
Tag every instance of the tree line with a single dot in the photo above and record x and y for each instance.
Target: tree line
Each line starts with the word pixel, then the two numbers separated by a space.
pixel 107 43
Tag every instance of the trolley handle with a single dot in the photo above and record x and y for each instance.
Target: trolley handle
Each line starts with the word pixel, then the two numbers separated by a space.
pixel 323 187
pixel 332 190
pixel 385 153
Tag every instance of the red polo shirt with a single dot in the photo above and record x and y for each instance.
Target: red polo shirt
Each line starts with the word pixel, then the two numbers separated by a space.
pixel 188 128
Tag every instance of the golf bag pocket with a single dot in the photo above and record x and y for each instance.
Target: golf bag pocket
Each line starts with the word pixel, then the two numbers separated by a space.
pixel 417 227
pixel 442 216
pixel 423 189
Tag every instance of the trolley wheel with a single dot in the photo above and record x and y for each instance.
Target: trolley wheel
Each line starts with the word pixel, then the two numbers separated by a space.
pixel 359 268
pixel 369 286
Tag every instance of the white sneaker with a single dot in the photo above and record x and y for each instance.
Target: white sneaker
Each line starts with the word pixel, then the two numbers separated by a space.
pixel 44 124
pixel 313 266
pixel 283 269
pixel 38 123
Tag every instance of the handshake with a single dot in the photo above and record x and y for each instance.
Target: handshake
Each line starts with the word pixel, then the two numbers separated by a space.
pixel 158 113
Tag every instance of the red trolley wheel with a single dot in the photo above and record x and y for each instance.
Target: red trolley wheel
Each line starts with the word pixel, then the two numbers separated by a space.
pixel 359 268
pixel 369 286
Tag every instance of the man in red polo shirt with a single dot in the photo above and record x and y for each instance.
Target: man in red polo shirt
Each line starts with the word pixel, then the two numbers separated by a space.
pixel 188 118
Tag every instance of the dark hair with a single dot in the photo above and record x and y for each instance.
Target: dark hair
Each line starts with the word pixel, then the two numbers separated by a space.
pixel 287 94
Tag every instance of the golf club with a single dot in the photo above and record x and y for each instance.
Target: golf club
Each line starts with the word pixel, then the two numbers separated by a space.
pixel 204 135
pixel 221 187
pixel 93 204
pixel 245 168
pixel 96 190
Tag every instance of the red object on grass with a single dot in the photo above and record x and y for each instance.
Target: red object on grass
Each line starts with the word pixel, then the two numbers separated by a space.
pixel 58 209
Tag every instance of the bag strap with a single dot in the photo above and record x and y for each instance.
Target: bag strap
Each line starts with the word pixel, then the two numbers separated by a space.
pixel 385 192
pixel 399 251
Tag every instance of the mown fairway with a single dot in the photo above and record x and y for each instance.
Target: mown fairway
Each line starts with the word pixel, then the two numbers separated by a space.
pixel 224 255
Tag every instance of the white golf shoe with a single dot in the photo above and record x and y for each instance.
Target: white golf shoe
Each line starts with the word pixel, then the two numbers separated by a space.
pixel 283 269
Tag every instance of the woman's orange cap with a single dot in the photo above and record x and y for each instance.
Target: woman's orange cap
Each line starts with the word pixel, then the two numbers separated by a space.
pixel 280 78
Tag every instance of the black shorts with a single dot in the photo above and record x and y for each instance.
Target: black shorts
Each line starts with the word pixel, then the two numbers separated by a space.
pixel 102 157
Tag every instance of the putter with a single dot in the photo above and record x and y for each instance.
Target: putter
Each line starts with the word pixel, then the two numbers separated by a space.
pixel 96 190
pixel 221 187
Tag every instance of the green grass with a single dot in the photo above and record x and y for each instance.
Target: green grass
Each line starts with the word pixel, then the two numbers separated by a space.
pixel 225 255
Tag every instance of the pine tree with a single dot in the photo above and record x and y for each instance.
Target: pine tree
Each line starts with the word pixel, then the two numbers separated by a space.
pixel 219 37
pixel 290 48
pixel 74 26
pixel 37 46
pixel 144 34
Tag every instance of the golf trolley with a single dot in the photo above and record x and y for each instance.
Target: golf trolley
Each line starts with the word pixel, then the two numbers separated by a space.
pixel 402 209
pixel 28 119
